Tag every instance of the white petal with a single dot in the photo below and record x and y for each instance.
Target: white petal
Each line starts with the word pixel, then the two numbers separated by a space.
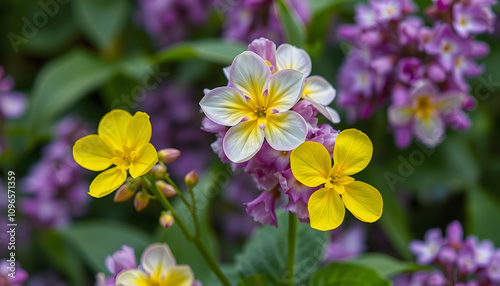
pixel 243 141
pixel 400 115
pixel 132 278
pixel 328 113
pixel 319 89
pixel 285 89
pixel 250 74
pixel 430 130
pixel 423 88
pixel 157 260
pixel 225 105
pixel 290 57
pixel 180 275
pixel 285 131
pixel 449 101
pixel 227 72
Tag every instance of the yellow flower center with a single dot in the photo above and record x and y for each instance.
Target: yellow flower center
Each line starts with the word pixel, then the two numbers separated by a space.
pixel 124 159
pixel 424 107
pixel 463 21
pixel 260 111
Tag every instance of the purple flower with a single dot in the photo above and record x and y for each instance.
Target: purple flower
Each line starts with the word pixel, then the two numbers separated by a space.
pixel 346 243
pixel 493 269
pixel 446 45
pixel 387 10
pixel 122 259
pixel 454 234
pixel 423 109
pixel 12 273
pixel 427 250
pixel 470 19
pixel 483 251
pixel 12 103
pixel 465 261
pixel 410 70
pixel 447 255
pixel 409 30
pixel 262 208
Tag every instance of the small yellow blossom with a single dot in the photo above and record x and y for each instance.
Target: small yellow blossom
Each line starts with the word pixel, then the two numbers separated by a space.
pixel 122 141
pixel 311 165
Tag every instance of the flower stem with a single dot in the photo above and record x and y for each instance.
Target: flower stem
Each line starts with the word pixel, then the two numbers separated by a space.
pixel 292 236
pixel 200 246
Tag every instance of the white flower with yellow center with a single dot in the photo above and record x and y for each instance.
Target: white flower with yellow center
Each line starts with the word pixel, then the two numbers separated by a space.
pixel 158 268
pixel 256 105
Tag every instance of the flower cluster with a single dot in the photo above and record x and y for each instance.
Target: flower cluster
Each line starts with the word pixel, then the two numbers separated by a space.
pixel 419 71
pixel 56 184
pixel 168 22
pixel 462 262
pixel 267 121
pixel 261 102
pixel 158 267
pixel 250 19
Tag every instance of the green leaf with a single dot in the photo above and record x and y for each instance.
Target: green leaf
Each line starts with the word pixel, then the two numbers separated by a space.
pixel 97 239
pixel 320 6
pixel 254 280
pixel 212 50
pixel 101 21
pixel 63 257
pixel 483 213
pixel 266 252
pixel 385 265
pixel 294 28
pixel 340 274
pixel 64 81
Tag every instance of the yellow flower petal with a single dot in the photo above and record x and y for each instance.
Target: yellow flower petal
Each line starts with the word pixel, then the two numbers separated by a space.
pixel 243 141
pixel 181 275
pixel 310 163
pixel 363 201
pixel 132 278
pixel 93 152
pixel 353 151
pixel 113 126
pixel 107 181
pixel 143 161
pixel 326 209
pixel 138 131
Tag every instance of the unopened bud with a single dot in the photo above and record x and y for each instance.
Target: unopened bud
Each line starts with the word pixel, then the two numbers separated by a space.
pixel 159 171
pixel 191 179
pixel 166 189
pixel 166 220
pixel 141 201
pixel 168 155
pixel 124 193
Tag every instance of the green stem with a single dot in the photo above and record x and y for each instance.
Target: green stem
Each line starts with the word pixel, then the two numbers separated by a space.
pixel 200 246
pixel 177 191
pixel 292 236
pixel 197 227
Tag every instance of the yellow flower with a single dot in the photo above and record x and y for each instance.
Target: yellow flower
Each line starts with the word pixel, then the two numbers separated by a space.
pixel 122 141
pixel 158 268
pixel 311 165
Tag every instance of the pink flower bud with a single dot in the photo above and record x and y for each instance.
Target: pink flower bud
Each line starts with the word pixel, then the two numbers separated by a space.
pixel 166 189
pixel 168 155
pixel 141 201
pixel 124 193
pixel 166 220
pixel 159 171
pixel 191 179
